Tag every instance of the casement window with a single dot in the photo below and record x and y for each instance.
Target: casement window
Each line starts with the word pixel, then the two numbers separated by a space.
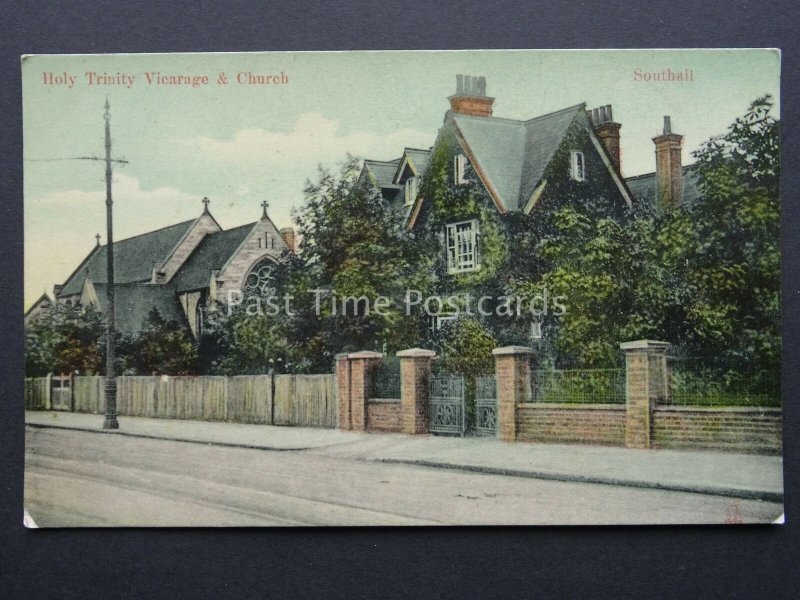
pixel 459 169
pixel 461 242
pixel 411 190
pixel 578 166
pixel 436 322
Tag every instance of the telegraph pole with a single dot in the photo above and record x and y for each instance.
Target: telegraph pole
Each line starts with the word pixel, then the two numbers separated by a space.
pixel 110 421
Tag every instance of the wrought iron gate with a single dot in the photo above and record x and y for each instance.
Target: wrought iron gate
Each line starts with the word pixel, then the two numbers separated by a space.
pixel 486 406
pixel 448 414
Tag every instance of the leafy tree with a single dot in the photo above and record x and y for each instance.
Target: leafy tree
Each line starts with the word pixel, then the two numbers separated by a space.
pixel 160 348
pixel 354 246
pixel 64 339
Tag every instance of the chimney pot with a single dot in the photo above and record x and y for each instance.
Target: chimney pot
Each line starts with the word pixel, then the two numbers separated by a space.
pixel 608 113
pixel 669 171
pixel 470 97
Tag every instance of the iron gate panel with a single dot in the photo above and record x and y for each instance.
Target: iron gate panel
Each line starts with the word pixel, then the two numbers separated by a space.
pixel 486 406
pixel 448 414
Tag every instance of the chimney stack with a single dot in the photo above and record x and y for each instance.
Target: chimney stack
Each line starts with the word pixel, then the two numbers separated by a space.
pixel 669 171
pixel 287 234
pixel 470 97
pixel 608 132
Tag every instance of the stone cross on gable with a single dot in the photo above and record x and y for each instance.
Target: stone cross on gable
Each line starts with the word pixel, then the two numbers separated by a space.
pixel 206 202
pixel 97 237
pixel 265 206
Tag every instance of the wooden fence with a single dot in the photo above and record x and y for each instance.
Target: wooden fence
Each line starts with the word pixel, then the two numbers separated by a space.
pixel 304 400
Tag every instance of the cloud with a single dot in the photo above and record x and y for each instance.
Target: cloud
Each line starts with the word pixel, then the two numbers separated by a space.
pixel 315 139
pixel 125 188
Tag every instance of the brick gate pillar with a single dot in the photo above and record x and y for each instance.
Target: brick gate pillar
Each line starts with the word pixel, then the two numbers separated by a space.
pixel 353 385
pixel 646 384
pixel 415 371
pixel 513 374
pixel 343 390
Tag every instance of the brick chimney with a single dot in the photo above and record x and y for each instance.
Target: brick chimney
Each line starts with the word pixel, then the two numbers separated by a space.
pixel 669 174
pixel 287 233
pixel 470 97
pixel 608 132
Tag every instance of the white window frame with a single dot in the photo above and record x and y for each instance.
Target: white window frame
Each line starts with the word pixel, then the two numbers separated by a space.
pixel 411 187
pixel 577 165
pixel 462 251
pixel 459 169
pixel 437 321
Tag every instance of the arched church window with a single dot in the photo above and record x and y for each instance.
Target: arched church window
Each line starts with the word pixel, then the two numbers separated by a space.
pixel 260 280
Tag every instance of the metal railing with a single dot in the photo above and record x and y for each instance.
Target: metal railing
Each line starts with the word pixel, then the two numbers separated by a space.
pixel 386 379
pixel 691 384
pixel 578 386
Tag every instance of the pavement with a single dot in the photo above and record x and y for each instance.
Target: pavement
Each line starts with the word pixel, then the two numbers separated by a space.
pixel 744 476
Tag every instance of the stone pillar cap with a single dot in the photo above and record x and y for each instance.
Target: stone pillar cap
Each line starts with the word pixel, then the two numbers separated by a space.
pixel 644 345
pixel 416 353
pixel 365 354
pixel 512 350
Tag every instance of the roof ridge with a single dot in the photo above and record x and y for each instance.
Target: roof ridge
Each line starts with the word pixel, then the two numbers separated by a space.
pixel 555 112
pixel 138 235
pixel 386 162
pixel 652 173
pixel 428 151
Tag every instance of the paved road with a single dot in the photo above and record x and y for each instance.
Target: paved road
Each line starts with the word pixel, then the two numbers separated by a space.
pixel 76 478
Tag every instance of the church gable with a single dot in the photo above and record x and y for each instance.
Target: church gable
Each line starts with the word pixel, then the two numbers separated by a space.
pixel 203 226
pixel 262 241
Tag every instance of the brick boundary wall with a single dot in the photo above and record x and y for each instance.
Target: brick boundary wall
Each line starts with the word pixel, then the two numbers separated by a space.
pixel 753 430
pixel 384 415
pixel 600 424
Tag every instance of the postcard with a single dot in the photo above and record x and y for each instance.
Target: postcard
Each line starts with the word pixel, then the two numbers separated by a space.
pixel 402 288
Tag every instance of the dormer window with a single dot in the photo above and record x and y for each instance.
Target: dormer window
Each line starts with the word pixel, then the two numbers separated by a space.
pixel 459 169
pixel 411 190
pixel 578 166
pixel 461 242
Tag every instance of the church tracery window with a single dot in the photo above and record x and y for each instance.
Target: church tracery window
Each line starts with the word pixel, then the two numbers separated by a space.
pixel 260 280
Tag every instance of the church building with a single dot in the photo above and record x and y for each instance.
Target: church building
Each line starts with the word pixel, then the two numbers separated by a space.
pixel 178 270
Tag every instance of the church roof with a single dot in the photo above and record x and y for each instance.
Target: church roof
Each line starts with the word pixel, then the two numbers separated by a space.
pixel 133 258
pixel 211 253
pixel 134 301
pixel 643 187
pixel 514 154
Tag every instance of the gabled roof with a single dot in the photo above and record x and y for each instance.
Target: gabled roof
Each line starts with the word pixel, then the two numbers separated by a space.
pixel 134 301
pixel 514 154
pixel 211 253
pixel 416 158
pixel 133 258
pixel 643 187
pixel 382 172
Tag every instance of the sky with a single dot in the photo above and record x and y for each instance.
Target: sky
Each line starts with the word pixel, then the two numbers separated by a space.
pixel 240 143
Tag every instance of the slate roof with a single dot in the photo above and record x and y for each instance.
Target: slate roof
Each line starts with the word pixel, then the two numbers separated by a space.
pixel 513 154
pixel 133 258
pixel 383 171
pixel 211 253
pixel 134 301
pixel 420 158
pixel 643 187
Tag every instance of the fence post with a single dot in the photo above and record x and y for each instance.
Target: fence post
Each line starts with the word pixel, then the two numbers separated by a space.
pixel 513 375
pixel 48 394
pixel 646 384
pixel 415 372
